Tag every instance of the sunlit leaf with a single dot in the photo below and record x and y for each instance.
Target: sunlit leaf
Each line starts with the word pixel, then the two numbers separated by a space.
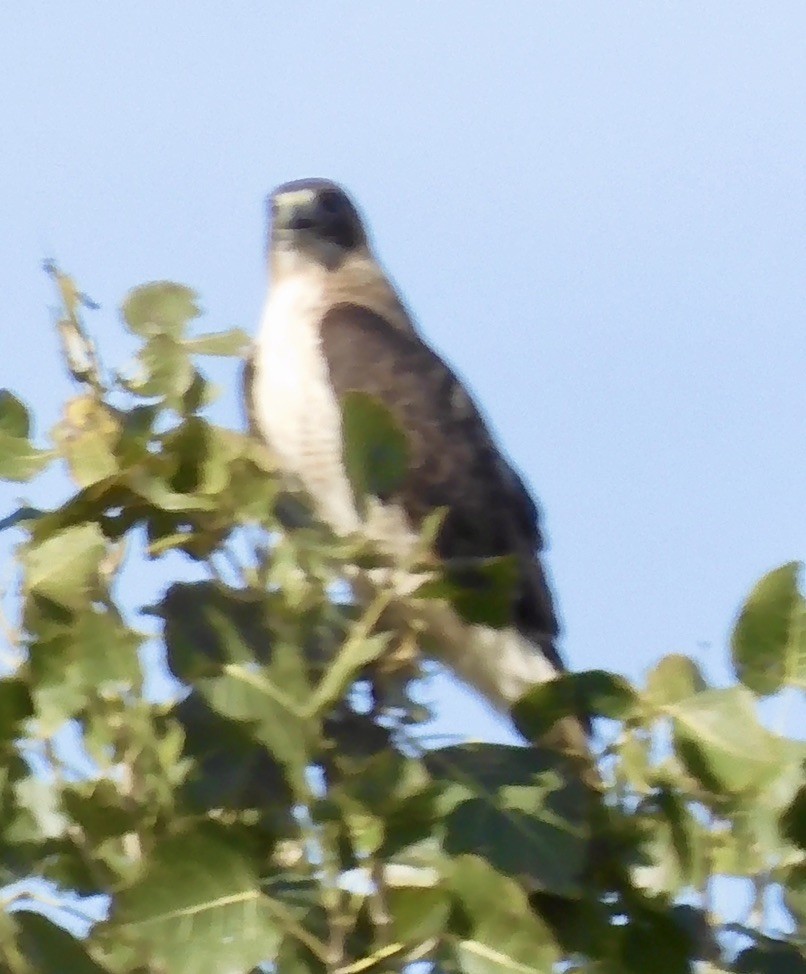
pixel 416 913
pixel 86 438
pixel 672 848
pixel 503 935
pixel 165 370
pixel 199 908
pixel 200 455
pixel 162 308
pixel 154 489
pixel 768 644
pixel 354 655
pixel 673 678
pixel 232 342
pixel 14 418
pixel 64 567
pixel 19 459
pixel 39 813
pixel 721 740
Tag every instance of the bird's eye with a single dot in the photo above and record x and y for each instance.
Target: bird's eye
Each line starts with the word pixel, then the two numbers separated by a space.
pixel 330 203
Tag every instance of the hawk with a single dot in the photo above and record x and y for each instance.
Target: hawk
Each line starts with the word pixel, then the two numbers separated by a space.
pixel 332 323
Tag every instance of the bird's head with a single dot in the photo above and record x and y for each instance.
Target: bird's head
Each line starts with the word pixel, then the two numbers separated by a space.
pixel 314 219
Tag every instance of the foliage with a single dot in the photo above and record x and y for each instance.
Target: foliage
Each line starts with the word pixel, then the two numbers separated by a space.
pixel 275 815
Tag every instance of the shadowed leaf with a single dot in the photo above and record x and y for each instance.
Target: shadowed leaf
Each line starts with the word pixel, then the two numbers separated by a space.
pixel 593 693
pixel 375 450
pixel 515 807
pixel 50 949
pixel 481 590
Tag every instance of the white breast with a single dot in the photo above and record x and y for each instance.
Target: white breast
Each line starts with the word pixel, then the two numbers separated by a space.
pixel 294 403
pixel 297 413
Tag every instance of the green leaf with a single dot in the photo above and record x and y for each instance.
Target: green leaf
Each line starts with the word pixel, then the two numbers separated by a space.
pixel 501 934
pixel 39 813
pixel 654 936
pixel 770 956
pixel 20 460
pixel 152 488
pixel 480 589
pixel 356 653
pixel 200 455
pixel 160 308
pixel 231 770
pixel 252 492
pixel 417 913
pixel 64 567
pixel 768 642
pixel 794 884
pixel 375 448
pixel 793 821
pixel 51 949
pixel 86 438
pixel 15 706
pixel 720 739
pixel 219 641
pixel 200 393
pixel 136 431
pixel 672 846
pixel 100 809
pixel 588 693
pixel 166 370
pixel 199 908
pixel 634 749
pixel 14 418
pixel 674 678
pixel 104 649
pixel 232 342
pixel 515 807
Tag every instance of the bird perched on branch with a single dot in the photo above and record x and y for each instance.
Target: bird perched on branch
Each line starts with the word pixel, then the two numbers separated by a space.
pixel 333 323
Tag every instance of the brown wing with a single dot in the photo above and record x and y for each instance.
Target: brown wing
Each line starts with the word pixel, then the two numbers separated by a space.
pixel 454 461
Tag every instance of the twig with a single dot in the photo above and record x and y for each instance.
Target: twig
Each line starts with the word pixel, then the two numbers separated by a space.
pixel 78 349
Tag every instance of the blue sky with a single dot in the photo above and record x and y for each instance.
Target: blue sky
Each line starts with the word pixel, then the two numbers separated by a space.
pixel 595 211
